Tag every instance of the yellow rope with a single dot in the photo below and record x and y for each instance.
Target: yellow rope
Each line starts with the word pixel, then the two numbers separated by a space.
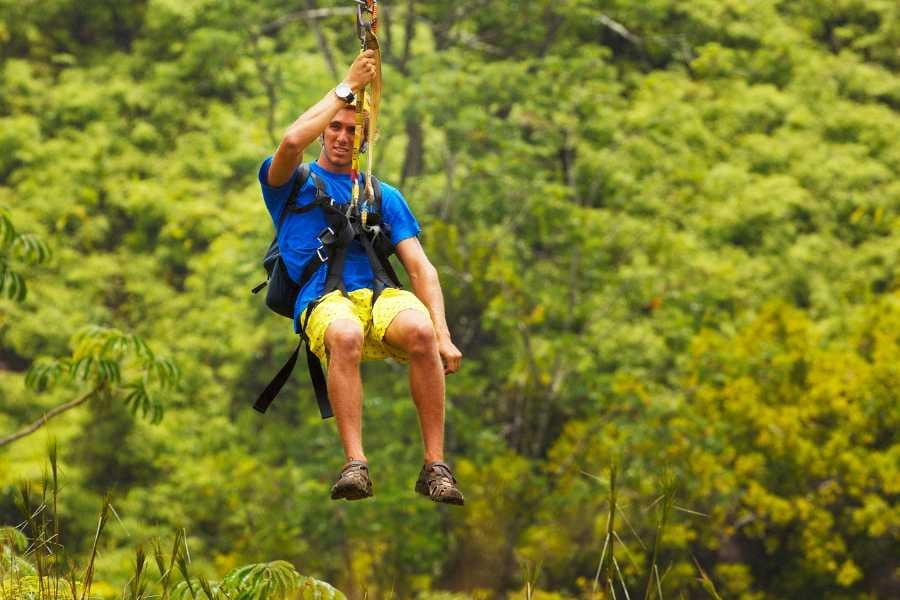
pixel 357 142
pixel 375 104
pixel 370 42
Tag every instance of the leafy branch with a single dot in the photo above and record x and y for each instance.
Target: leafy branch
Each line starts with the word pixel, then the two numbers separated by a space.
pixel 276 580
pixel 15 246
pixel 112 364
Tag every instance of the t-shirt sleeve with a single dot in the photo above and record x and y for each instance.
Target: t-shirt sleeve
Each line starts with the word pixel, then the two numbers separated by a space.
pixel 274 197
pixel 398 215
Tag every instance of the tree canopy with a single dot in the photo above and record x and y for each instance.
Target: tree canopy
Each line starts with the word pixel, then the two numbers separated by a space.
pixel 668 235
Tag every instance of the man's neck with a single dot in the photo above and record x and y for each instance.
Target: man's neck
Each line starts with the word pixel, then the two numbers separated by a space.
pixel 330 167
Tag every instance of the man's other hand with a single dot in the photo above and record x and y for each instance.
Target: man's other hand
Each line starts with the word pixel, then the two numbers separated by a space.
pixel 450 355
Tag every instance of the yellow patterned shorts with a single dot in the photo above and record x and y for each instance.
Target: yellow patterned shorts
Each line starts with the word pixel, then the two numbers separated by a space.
pixel 374 320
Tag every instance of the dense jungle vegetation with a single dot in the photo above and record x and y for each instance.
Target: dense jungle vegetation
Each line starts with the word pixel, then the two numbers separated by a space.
pixel 668 234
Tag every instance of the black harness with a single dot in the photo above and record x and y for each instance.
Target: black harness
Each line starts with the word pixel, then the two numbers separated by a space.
pixel 344 225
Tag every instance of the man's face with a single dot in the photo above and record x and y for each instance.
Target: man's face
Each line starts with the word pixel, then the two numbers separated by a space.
pixel 337 143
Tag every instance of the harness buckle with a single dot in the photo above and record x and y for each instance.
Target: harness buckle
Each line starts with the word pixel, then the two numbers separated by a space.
pixel 328 234
pixel 320 252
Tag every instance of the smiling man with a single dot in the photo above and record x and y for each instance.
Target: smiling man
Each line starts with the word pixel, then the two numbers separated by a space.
pixel 344 326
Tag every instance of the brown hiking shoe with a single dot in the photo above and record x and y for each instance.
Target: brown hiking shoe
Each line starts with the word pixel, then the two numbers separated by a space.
pixel 354 482
pixel 437 482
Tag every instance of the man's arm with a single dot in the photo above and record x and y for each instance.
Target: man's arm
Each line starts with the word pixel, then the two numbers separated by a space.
pixel 427 287
pixel 313 122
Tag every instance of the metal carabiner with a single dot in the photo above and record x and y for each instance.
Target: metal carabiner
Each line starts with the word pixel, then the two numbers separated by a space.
pixel 363 25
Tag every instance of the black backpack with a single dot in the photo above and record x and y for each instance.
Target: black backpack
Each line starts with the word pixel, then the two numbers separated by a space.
pixel 282 291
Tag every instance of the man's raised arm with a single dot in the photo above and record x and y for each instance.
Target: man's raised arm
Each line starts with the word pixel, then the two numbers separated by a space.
pixel 313 122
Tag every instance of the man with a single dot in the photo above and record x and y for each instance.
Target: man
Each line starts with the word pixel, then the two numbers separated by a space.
pixel 344 330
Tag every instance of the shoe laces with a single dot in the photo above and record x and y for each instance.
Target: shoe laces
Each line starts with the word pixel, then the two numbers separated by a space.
pixel 440 471
pixel 354 466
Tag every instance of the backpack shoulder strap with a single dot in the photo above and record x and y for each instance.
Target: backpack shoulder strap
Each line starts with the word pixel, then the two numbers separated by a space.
pixel 303 173
pixel 322 199
pixel 320 185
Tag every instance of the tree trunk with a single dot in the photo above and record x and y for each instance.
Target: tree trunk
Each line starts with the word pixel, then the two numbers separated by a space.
pixel 320 38
pixel 415 144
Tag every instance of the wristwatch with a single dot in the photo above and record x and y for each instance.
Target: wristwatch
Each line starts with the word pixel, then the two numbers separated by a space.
pixel 344 92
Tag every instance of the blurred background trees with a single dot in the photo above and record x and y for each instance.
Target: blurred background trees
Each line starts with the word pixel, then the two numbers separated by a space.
pixel 667 234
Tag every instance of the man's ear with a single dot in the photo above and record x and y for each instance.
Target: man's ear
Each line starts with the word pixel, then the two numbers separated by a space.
pixel 322 138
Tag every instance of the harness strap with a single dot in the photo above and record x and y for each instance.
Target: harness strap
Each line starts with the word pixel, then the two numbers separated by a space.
pixel 314 366
pixel 316 374
pixel 335 278
pixel 383 257
pixel 265 398
pixel 320 384
pixel 380 277
pixel 303 173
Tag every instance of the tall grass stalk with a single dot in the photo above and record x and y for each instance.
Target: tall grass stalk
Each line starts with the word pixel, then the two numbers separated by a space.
pixel 531 572
pixel 207 588
pixel 663 506
pixel 706 583
pixel 607 568
pixel 35 524
pixel 42 574
pixel 88 578
pixel 137 586
pixel 73 585
pixel 51 581
pixel 53 453
pixel 180 558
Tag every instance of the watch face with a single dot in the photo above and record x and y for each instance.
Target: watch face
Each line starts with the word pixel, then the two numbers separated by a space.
pixel 343 91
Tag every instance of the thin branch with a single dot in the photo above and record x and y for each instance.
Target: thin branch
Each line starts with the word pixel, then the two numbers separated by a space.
pixel 409 31
pixel 315 13
pixel 450 171
pixel 270 86
pixel 473 42
pixel 619 29
pixel 46 417
pixel 322 41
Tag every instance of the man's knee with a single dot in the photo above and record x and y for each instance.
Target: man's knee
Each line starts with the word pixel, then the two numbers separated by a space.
pixel 420 337
pixel 344 340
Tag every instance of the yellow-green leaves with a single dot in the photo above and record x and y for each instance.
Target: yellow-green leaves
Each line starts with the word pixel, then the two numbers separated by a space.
pixel 26 249
pixel 111 362
pixel 277 580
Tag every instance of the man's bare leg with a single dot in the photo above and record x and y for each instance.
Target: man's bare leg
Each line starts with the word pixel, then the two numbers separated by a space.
pixel 413 332
pixel 344 342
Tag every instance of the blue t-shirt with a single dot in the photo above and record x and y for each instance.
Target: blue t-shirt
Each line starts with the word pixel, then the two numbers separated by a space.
pixel 297 236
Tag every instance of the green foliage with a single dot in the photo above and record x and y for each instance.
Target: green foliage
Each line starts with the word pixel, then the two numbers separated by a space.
pixel 666 231
pixel 17 246
pixel 277 580
pixel 99 357
pixel 12 566
pixel 43 577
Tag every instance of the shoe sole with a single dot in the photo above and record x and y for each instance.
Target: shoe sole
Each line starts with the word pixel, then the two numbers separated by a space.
pixel 350 492
pixel 422 490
